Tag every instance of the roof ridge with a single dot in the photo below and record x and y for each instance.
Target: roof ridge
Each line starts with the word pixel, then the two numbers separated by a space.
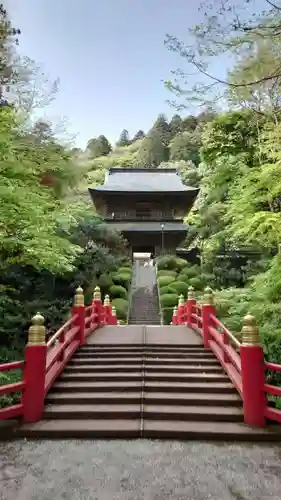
pixel 154 170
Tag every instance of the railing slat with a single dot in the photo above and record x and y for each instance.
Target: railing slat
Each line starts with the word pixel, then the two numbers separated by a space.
pixel 233 374
pixel 56 369
pixel 273 414
pixel 272 389
pixel 54 354
pixel 57 335
pixel 11 412
pixel 13 365
pixel 8 388
pixel 272 366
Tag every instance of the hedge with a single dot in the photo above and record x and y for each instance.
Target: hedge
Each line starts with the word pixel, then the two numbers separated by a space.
pixel 167 289
pixel 118 291
pixel 121 308
pixel 180 287
pixel 169 300
pixel 196 283
pixel 105 282
pixel 165 280
pixel 122 279
pixel 167 272
pixel 167 314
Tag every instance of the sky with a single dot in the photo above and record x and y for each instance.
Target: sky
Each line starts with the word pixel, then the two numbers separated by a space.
pixel 110 58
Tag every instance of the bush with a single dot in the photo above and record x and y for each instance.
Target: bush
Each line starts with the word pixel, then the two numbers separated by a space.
pixel 166 262
pixel 196 283
pixel 189 272
pixel 105 282
pixel 169 300
pixel 167 314
pixel 122 279
pixel 125 270
pixel 180 287
pixel 167 289
pixel 118 291
pixel 167 272
pixel 165 280
pixel 121 308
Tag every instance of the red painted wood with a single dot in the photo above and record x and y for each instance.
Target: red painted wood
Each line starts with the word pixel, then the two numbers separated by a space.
pixel 208 311
pixel 11 366
pixel 272 389
pixel 190 308
pixel 273 414
pixel 56 369
pixel 78 314
pixel 272 366
pixel 8 388
pixel 54 355
pixel 11 412
pixel 232 355
pixel 57 335
pixel 97 307
pixel 231 371
pixel 34 378
pixel 90 330
pixel 253 382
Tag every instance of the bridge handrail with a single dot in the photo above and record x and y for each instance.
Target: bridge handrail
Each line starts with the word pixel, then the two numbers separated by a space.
pixel 243 361
pixel 44 361
pixel 14 410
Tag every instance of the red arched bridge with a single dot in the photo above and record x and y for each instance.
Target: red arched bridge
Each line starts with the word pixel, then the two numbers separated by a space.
pixel 192 379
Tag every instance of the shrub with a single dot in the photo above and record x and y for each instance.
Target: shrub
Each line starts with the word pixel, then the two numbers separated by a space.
pixel 169 300
pixel 196 283
pixel 167 314
pixel 166 262
pixel 165 280
pixel 167 272
pixel 118 291
pixel 189 272
pixel 122 279
pixel 180 287
pixel 180 263
pixel 125 270
pixel 105 282
pixel 167 289
pixel 121 308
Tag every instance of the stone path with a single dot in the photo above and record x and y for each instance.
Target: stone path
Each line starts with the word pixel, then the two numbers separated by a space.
pixel 138 470
pixel 136 334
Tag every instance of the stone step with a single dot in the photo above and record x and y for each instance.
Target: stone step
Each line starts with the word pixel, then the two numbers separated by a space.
pixel 135 397
pixel 152 361
pixel 139 375
pixel 148 411
pixel 80 368
pixel 204 386
pixel 151 429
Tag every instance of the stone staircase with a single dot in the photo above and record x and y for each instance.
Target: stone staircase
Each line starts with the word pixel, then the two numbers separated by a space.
pixel 144 301
pixel 143 390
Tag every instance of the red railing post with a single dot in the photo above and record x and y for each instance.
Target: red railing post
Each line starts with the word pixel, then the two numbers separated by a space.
pixel 181 310
pixel 107 310
pixel 35 371
pixel 208 310
pixel 114 320
pixel 252 373
pixel 97 305
pixel 190 306
pixel 175 316
pixel 78 314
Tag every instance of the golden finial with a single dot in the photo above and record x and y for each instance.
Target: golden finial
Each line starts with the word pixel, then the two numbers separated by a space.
pixel 181 300
pixel 97 294
pixel 208 297
pixel 250 332
pixel 37 331
pixel 113 311
pixel 79 297
pixel 190 294
pixel 175 311
pixel 106 301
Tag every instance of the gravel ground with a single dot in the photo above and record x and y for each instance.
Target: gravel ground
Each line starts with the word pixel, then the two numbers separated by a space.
pixel 135 470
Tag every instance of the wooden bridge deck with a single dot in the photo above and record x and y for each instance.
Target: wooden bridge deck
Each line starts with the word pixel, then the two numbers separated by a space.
pixel 139 334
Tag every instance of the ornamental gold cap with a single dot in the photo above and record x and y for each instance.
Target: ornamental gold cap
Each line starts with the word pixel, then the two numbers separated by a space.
pixel 208 296
pixel 79 297
pixel 250 331
pixel 37 331
pixel 97 294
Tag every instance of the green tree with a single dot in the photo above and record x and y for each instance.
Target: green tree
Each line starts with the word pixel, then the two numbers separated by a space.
pixel 152 151
pixel 99 147
pixel 124 139
pixel 8 40
pixel 186 146
pixel 176 125
pixel 162 128
pixel 139 135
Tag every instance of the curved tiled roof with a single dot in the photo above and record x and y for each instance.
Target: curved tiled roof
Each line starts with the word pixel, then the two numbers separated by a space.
pixel 143 180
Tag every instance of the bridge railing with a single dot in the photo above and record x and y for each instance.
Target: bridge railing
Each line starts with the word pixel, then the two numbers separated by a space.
pixel 243 362
pixel 44 361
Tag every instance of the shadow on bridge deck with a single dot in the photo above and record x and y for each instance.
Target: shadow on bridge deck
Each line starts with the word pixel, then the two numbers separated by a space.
pixel 145 334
